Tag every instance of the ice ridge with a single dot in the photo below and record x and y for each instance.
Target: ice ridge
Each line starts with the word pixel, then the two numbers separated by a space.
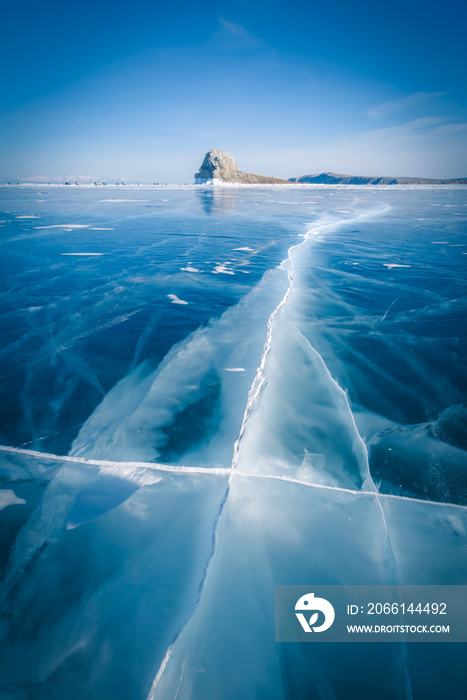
pixel 257 385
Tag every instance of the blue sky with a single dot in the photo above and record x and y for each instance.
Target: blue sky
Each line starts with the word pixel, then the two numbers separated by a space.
pixel 140 91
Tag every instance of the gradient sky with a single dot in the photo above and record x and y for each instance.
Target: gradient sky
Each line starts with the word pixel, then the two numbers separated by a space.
pixel 141 90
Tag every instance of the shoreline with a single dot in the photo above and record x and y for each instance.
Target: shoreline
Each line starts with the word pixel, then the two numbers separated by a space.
pixel 229 185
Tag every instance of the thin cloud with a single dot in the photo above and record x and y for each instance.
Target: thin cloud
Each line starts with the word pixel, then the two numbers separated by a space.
pixel 390 133
pixel 240 33
pixel 424 147
pixel 418 100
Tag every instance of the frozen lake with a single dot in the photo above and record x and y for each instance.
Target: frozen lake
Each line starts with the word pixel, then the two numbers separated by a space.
pixel 208 392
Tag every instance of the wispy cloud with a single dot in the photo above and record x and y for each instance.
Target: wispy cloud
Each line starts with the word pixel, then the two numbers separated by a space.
pixel 400 132
pixel 414 102
pixel 427 147
pixel 239 32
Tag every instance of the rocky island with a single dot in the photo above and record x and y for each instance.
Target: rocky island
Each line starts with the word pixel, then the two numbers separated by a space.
pixel 219 165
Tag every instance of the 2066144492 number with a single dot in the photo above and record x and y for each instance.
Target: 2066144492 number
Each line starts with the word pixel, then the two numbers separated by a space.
pixel 412 608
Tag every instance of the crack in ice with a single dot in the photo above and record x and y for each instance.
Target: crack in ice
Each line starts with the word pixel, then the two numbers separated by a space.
pixel 217 471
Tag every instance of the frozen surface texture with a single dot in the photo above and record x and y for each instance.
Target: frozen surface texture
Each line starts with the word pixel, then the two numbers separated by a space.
pixel 300 419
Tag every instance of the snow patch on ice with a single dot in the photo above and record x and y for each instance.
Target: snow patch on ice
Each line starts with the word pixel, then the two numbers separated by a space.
pixel 67 226
pixel 175 300
pixel 391 265
pixel 222 269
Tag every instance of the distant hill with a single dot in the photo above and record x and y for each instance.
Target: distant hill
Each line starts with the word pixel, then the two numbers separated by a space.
pixel 338 179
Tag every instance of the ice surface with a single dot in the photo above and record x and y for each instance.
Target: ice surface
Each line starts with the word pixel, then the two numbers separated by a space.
pixel 165 465
pixel 291 531
pixel 114 568
pixel 285 434
pixel 188 410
